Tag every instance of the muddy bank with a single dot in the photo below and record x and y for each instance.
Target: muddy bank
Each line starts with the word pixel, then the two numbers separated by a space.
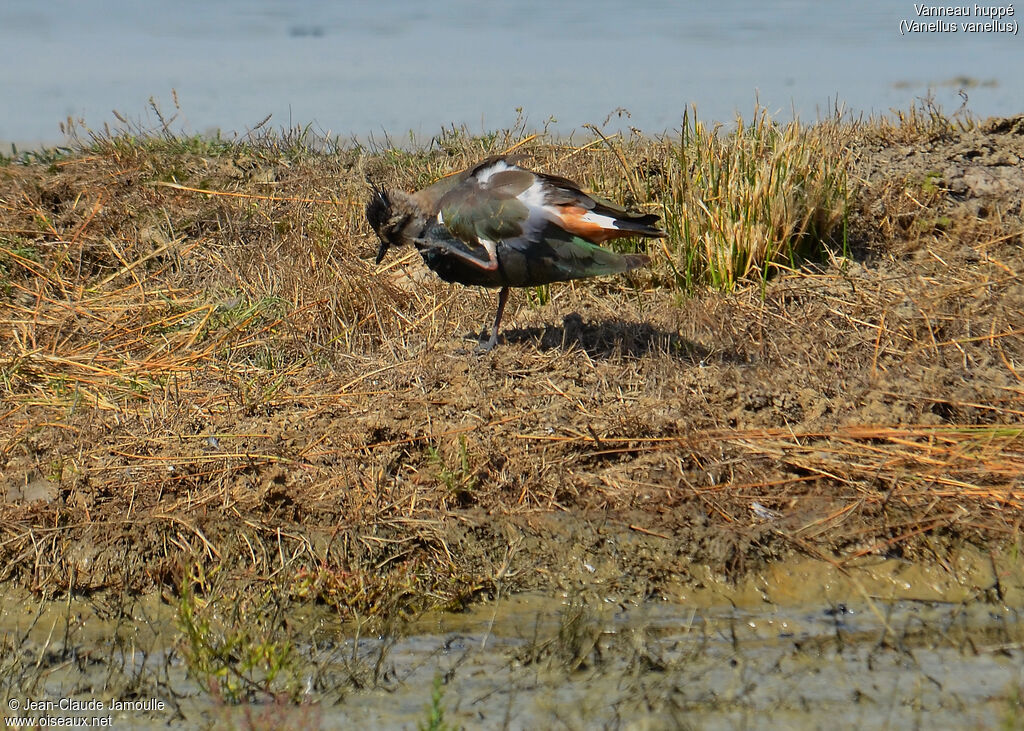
pixel 158 416
pixel 254 459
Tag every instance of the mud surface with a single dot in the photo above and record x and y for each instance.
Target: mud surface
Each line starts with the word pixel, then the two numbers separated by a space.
pixel 339 441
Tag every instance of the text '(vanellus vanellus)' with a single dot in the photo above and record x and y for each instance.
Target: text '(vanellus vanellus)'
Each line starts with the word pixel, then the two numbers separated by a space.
pixel 499 225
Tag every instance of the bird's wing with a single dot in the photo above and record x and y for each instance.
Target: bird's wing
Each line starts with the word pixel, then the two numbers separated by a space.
pixel 591 217
pixel 499 201
pixel 560 255
pixel 525 214
pixel 488 208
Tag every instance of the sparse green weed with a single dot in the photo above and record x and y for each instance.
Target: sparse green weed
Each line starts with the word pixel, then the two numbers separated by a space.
pixel 1013 715
pixel 461 480
pixel 233 651
pixel 539 296
pixel 435 711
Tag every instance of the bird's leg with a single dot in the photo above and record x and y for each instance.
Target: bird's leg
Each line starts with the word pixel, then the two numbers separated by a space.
pixel 502 299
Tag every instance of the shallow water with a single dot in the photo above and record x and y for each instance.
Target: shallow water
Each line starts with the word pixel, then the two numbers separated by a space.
pixel 725 668
pixel 888 644
pixel 371 68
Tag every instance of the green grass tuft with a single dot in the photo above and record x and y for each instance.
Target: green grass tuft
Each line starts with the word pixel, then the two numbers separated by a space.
pixel 741 205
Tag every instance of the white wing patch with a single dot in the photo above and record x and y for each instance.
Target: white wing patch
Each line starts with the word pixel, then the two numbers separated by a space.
pixel 499 166
pixel 535 196
pixel 599 219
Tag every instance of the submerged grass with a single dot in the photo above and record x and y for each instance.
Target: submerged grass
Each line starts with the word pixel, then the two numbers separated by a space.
pixel 235 651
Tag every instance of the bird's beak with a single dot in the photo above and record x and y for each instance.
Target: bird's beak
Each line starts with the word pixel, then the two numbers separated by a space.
pixel 382 251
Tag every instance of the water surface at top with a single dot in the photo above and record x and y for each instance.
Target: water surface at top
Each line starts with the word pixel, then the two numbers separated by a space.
pixel 400 66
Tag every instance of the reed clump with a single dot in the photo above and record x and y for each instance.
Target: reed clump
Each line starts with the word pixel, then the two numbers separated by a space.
pixel 742 204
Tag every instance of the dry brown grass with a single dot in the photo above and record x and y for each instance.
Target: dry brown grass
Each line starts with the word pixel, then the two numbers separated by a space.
pixel 227 379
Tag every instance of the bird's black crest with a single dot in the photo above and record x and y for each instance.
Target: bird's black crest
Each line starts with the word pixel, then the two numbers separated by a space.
pixel 378 213
pixel 378 210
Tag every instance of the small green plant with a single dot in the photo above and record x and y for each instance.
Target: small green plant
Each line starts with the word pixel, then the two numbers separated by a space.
pixel 1013 714
pixel 460 480
pixel 931 183
pixel 357 593
pixel 539 296
pixel 43 155
pixel 16 253
pixel 232 651
pixel 56 471
pixel 435 711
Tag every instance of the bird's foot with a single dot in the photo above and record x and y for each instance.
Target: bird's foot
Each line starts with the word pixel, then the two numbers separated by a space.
pixel 486 346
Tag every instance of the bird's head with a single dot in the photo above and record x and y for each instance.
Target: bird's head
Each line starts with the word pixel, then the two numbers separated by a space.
pixel 391 214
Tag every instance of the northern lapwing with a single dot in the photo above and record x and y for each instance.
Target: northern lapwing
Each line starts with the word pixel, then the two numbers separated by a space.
pixel 496 224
